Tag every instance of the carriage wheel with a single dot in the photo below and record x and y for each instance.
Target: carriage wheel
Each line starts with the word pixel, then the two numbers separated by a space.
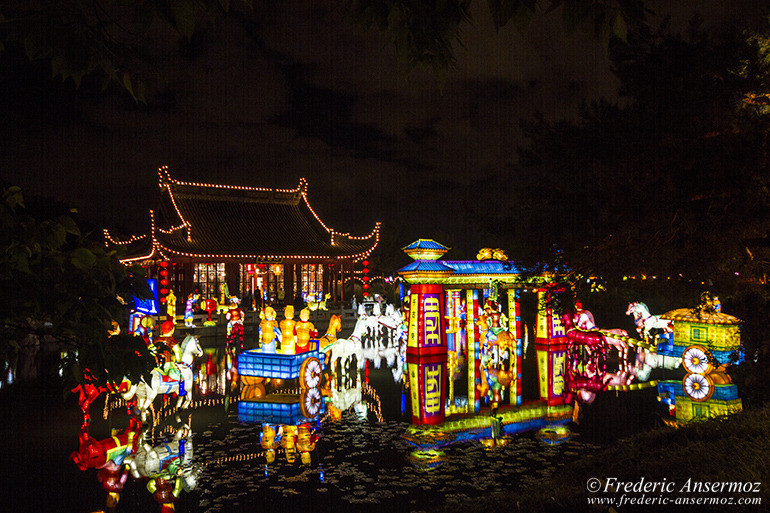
pixel 310 402
pixel 697 359
pixel 310 373
pixel 698 387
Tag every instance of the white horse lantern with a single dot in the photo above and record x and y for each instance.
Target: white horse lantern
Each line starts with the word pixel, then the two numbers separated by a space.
pixel 150 461
pixel 645 322
pixel 169 378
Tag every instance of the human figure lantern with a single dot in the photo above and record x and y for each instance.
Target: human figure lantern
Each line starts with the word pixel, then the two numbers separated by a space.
pixel 188 310
pixel 168 347
pixel 496 350
pixel 288 333
pixel 305 330
pixel 235 317
pixel 113 478
pixel 171 306
pixel 306 439
pixel 270 439
pixel 269 332
pixel 586 362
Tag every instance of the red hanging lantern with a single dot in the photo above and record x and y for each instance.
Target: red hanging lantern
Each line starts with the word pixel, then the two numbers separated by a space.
pixel 164 291
pixel 163 272
pixel 365 263
pixel 164 264
pixel 164 282
pixel 365 278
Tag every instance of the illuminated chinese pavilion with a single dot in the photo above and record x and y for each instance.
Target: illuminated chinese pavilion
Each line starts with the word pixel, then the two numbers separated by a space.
pixel 250 239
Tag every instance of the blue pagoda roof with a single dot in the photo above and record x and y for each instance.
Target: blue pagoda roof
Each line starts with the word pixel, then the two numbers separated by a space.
pixel 459 267
pixel 426 266
pixel 483 267
pixel 426 244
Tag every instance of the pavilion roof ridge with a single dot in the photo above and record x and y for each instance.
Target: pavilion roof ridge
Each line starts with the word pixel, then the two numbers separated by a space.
pixel 192 216
pixel 223 192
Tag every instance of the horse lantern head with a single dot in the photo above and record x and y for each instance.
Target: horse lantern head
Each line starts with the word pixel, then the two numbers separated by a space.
pixel 335 323
pixel 192 345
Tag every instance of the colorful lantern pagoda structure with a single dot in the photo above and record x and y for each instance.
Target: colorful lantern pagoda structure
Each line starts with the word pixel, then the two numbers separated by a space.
pixel 222 240
pixel 461 311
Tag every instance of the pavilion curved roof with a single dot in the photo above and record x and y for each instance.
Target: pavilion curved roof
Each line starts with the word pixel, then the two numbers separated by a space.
pixel 208 221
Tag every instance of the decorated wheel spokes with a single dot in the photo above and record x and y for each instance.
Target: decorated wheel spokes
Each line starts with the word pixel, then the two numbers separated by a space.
pixel 697 359
pixel 310 373
pixel 698 387
pixel 310 402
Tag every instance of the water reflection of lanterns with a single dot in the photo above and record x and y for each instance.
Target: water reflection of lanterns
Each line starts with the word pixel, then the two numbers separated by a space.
pixel 553 435
pixel 427 459
pixel 365 279
pixel 285 417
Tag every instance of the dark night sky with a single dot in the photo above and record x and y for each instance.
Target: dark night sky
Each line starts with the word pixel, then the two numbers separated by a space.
pixel 300 92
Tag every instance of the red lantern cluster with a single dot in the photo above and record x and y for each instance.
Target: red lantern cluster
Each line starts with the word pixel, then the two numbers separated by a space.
pixel 163 281
pixel 365 263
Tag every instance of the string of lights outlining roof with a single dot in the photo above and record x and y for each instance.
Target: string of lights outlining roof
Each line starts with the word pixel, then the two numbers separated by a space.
pixel 164 178
pixel 158 248
pixel 134 238
pixel 172 230
pixel 166 182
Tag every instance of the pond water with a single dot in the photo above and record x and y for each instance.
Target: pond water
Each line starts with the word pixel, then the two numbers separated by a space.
pixel 361 460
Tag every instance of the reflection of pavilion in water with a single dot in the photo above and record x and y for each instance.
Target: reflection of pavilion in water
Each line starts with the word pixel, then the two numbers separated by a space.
pixel 465 348
pixel 380 328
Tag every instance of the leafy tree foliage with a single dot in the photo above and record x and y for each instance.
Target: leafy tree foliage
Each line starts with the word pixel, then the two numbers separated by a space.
pixel 103 38
pixel 107 38
pixel 60 285
pixel 671 182
pixel 425 32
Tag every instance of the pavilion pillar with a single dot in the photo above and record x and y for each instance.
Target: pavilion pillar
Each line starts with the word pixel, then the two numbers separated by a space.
pixel 189 269
pixel 514 328
pixel 426 354
pixel 551 348
pixel 333 282
pixel 474 350
pixel 288 282
pixel 298 282
pixel 232 278
pixel 326 270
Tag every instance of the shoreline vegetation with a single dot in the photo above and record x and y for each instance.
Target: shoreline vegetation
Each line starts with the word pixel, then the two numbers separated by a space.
pixel 684 463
